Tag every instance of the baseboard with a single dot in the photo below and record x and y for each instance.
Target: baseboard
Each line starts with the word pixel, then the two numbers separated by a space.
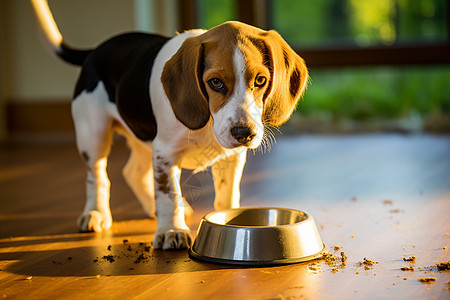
pixel 39 118
pixel 39 122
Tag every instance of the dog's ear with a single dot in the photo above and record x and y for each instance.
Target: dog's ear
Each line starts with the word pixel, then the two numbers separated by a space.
pixel 182 82
pixel 288 82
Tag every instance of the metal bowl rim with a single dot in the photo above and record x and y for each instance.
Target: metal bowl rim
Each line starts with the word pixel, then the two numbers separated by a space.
pixel 205 218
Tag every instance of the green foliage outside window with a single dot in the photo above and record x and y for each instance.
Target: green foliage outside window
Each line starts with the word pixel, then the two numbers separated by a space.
pixel 383 92
pixel 359 22
pixel 215 12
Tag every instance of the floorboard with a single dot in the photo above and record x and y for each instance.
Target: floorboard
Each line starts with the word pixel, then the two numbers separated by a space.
pixel 380 197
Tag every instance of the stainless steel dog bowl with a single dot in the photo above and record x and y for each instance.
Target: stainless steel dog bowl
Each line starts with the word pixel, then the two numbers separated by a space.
pixel 257 236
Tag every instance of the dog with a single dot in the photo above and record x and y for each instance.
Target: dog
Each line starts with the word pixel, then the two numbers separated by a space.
pixel 174 99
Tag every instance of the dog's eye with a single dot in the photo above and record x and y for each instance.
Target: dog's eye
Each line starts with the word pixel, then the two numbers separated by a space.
pixel 217 85
pixel 260 81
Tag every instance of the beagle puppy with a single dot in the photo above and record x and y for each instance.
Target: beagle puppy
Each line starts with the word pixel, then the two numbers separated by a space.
pixel 197 100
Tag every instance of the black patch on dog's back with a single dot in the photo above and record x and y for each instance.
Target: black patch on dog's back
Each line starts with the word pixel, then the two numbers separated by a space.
pixel 124 65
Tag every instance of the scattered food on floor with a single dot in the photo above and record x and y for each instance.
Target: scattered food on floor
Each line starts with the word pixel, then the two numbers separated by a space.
pixel 427 279
pixel 443 266
pixel 410 259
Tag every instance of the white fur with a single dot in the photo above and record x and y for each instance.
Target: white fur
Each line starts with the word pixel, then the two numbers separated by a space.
pixel 93 127
pixel 47 23
pixel 240 108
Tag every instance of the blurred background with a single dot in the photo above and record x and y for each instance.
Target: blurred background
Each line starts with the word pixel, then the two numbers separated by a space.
pixel 375 65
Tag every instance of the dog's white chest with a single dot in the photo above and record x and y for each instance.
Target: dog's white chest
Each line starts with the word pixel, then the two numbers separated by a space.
pixel 200 156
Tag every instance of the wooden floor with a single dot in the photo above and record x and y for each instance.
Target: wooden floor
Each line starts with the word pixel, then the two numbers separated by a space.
pixel 379 197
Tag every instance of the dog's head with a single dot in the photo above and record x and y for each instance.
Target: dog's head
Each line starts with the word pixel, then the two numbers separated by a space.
pixel 241 76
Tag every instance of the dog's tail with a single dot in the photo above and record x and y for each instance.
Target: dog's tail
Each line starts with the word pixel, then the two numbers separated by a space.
pixel 54 38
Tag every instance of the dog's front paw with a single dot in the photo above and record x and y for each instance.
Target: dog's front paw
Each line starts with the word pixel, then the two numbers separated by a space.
pixel 94 221
pixel 173 239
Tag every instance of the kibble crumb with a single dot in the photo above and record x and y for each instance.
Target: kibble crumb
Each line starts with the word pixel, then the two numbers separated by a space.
pixel 369 262
pixel 410 259
pixel 443 266
pixel 343 258
pixel 109 258
pixel 313 268
pixel 427 279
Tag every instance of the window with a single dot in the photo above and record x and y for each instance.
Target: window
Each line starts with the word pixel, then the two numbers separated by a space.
pixel 360 23
pixel 340 32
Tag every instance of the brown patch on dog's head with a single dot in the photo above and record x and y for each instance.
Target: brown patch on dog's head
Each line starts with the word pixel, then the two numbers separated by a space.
pixel 289 77
pixel 187 74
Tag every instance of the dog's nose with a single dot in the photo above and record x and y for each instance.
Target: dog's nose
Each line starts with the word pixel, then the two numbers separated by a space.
pixel 243 134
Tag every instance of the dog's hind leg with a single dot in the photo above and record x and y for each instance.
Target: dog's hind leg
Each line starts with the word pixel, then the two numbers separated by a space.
pixel 138 173
pixel 94 132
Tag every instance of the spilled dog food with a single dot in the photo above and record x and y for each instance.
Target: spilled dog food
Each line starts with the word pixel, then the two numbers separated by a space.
pixel 366 263
pixel 443 266
pixel 427 279
pixel 410 259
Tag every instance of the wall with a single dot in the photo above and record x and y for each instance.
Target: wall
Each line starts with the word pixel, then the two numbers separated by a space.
pixel 3 71
pixel 37 75
pixel 30 75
